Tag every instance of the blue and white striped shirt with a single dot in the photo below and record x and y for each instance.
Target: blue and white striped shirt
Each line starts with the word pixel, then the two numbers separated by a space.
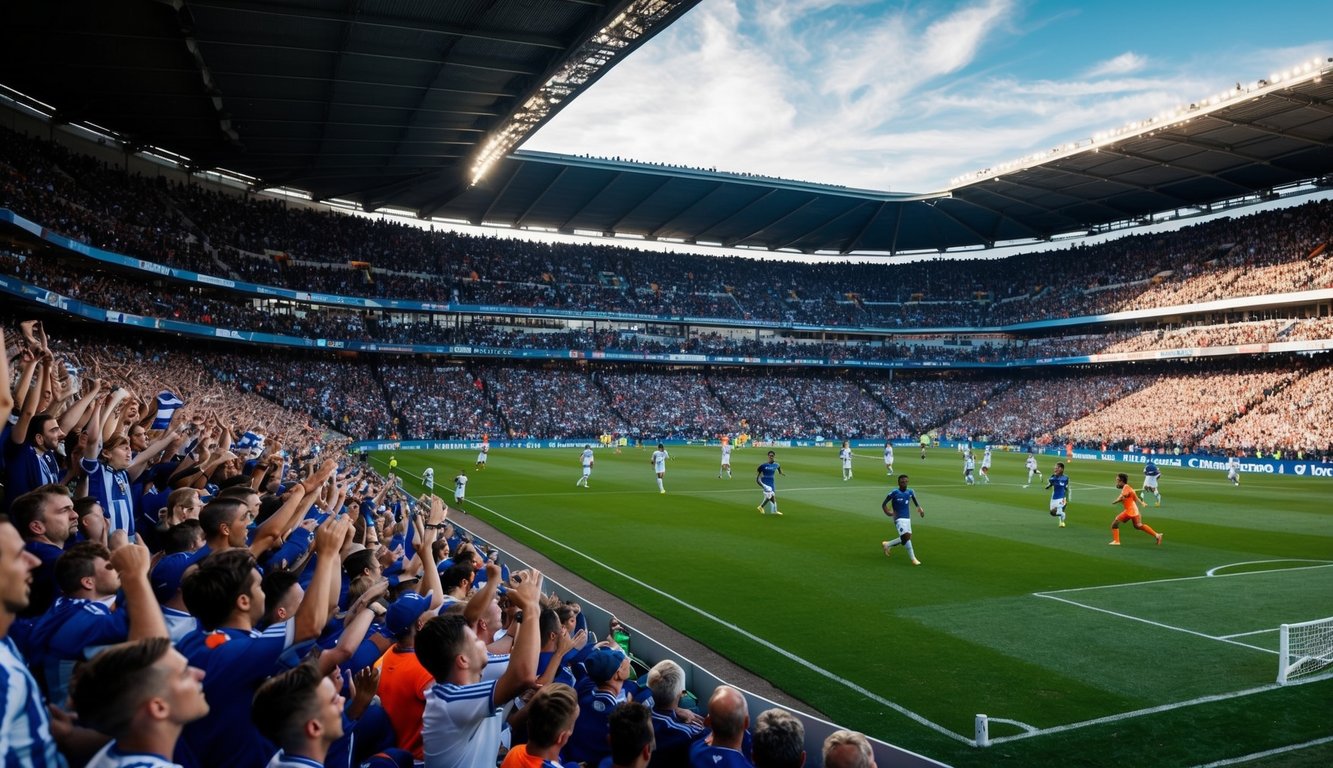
pixel 25 731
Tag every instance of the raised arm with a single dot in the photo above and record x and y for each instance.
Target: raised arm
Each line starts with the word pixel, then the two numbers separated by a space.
pixel 521 674
pixel 314 611
pixel 131 561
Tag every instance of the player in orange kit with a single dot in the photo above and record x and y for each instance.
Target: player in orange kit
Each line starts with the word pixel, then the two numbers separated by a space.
pixel 1129 498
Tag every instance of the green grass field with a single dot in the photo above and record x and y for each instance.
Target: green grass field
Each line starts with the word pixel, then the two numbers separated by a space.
pixel 1080 653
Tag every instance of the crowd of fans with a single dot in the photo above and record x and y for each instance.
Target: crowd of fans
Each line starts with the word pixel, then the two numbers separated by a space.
pixel 118 292
pixel 1175 411
pixel 192 575
pixel 272 241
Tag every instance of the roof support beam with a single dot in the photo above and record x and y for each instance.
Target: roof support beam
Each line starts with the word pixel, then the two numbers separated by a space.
pixel 662 182
pixel 861 231
pixel 518 222
pixel 821 225
pixel 731 242
pixel 701 202
pixel 728 217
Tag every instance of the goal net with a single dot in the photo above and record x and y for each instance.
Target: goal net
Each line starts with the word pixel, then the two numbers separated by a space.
pixel 1307 649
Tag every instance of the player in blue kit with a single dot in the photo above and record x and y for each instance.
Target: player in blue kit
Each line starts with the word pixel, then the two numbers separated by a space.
pixel 898 505
pixel 765 476
pixel 1151 474
pixel 1058 483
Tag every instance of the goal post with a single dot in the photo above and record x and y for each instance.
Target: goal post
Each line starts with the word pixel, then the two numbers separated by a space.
pixel 1306 649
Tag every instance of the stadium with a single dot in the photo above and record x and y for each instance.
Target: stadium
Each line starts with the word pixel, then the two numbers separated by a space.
pixel 275 274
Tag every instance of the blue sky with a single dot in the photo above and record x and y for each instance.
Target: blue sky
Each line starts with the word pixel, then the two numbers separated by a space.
pixel 903 96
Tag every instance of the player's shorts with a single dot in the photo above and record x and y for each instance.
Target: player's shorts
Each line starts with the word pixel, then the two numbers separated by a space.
pixel 430 485
pixel 846 465
pixel 967 473
pixel 459 494
pixel 1232 474
pixel 481 458
pixel 587 471
pixel 1059 504
pixel 903 524
pixel 1150 481
pixel 1123 516
pixel 769 492
pixel 985 467
pixel 659 468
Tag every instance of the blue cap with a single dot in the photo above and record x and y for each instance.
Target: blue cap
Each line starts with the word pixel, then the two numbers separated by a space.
pixel 166 576
pixel 603 663
pixel 405 611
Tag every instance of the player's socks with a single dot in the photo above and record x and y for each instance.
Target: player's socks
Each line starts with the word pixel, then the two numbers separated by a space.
pixel 1115 535
pixel 1148 530
pixel 660 489
pixel 910 552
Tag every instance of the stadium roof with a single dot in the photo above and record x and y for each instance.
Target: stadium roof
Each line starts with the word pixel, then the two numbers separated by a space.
pixel 394 103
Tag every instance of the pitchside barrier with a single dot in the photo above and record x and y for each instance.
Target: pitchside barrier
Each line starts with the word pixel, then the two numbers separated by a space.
pixel 1293 467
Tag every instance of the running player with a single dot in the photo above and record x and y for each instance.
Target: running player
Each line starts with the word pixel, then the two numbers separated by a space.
pixel 1151 474
pixel 969 464
pixel 1129 500
pixel 483 452
pixel 659 465
pixel 846 455
pixel 428 479
pixel 1233 470
pixel 726 458
pixel 985 464
pixel 585 459
pixel 898 505
pixel 1032 468
pixel 1058 482
pixel 925 443
pixel 765 476
pixel 888 458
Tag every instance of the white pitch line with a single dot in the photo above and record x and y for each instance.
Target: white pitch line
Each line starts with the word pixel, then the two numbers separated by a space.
pixel 744 633
pixel 1255 632
pixel 1138 713
pixel 1153 623
pixel 1209 575
pixel 1214 571
pixel 1266 753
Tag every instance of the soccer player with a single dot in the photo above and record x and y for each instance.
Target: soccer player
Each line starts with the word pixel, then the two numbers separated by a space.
pixel 428 479
pixel 1058 483
pixel 765 477
pixel 659 460
pixel 898 505
pixel 726 458
pixel 888 458
pixel 925 443
pixel 969 465
pixel 846 455
pixel 1129 500
pixel 484 451
pixel 460 487
pixel 585 459
pixel 1150 476
pixel 985 464
pixel 1233 470
pixel 1032 468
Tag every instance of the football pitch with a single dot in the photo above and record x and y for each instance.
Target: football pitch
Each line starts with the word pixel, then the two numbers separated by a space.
pixel 1079 652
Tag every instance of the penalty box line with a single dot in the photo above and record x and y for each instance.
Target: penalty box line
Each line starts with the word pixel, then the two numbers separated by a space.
pixel 742 632
pixel 1157 624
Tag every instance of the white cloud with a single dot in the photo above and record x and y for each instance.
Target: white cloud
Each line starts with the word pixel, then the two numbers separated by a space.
pixel 1123 64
